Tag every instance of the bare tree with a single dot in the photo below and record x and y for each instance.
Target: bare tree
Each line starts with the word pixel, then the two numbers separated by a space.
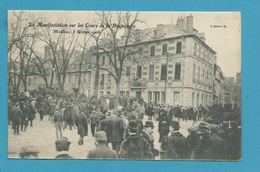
pixel 61 51
pixel 96 52
pixel 19 34
pixel 117 50
pixel 82 57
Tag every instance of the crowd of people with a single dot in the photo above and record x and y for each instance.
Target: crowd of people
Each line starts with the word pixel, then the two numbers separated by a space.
pixel 216 135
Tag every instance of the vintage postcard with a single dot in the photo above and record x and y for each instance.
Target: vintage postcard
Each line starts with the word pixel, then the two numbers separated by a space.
pixel 124 85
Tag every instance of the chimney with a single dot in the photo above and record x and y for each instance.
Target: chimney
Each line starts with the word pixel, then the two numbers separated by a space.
pixel 202 36
pixel 189 23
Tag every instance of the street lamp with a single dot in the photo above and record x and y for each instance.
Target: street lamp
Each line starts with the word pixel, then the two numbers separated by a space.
pixel 166 79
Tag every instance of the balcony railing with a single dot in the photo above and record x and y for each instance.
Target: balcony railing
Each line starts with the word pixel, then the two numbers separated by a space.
pixel 137 83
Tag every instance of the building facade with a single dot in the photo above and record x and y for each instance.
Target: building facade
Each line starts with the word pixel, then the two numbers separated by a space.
pixel 176 67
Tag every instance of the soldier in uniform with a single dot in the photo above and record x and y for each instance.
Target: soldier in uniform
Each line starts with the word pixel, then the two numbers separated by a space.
pixel 58 122
pixel 135 146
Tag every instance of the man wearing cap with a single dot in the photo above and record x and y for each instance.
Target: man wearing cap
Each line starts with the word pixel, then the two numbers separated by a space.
pixel 177 144
pixel 62 146
pixel 101 151
pixel 135 146
pixel 29 152
pixel 203 149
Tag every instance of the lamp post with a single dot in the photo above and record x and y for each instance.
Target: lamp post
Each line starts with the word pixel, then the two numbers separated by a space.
pixel 166 78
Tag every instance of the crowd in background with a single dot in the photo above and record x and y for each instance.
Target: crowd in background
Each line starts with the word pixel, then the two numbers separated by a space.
pixel 217 135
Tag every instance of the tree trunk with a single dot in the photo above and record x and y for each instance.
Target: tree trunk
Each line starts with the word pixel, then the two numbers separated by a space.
pixel 96 83
pixel 118 89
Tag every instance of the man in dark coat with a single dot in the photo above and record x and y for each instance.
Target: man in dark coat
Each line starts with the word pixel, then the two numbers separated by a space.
pixel 24 119
pixel 116 125
pixel 94 121
pixel 147 133
pixel 203 149
pixel 177 144
pixel 62 146
pixel 150 111
pixel 43 107
pixel 16 118
pixel 135 146
pixel 163 127
pixel 69 116
pixel 219 146
pixel 82 126
pixel 101 151
pixel 31 110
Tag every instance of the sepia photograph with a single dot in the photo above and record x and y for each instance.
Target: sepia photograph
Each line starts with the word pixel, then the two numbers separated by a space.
pixel 124 85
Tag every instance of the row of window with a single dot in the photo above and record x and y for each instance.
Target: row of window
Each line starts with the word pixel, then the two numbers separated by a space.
pixel 202 52
pixel 202 73
pixel 151 74
pixel 85 78
pixel 165 49
pixel 152 52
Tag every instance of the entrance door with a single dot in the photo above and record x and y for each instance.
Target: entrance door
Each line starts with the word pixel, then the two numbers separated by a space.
pixel 156 97
pixel 138 94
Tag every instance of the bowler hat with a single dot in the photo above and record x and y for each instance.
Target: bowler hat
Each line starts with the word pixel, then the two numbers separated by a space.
pixel 101 136
pixel 133 125
pixel 175 124
pixel 149 124
pixel 62 140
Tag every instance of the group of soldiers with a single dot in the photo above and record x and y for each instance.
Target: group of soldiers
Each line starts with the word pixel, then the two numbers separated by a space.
pixel 213 138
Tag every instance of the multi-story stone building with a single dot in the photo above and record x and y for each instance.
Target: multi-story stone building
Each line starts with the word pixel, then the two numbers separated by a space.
pixel 176 66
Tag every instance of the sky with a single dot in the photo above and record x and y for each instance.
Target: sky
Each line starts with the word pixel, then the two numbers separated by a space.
pixel 225 39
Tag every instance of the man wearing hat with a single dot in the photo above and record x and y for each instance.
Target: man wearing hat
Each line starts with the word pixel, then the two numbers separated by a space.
pixel 101 151
pixel 147 133
pixel 62 146
pixel 135 146
pixel 177 144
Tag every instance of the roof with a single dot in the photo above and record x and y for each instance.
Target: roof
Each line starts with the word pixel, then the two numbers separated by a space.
pixel 162 32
